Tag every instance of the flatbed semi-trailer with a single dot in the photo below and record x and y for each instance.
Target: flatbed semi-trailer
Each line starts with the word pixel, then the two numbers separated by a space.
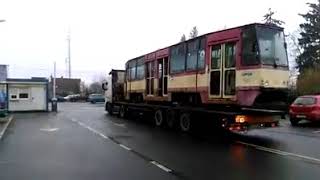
pixel 184 116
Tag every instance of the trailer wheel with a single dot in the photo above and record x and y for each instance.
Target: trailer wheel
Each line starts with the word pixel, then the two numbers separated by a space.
pixel 109 108
pixel 158 118
pixel 185 122
pixel 122 111
pixel 171 119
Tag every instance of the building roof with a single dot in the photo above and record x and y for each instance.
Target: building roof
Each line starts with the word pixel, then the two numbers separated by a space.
pixel 32 80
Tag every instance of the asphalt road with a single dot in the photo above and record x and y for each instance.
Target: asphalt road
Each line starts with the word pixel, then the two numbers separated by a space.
pixel 84 142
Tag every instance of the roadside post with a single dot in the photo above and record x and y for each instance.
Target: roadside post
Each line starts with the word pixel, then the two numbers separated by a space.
pixel 54 101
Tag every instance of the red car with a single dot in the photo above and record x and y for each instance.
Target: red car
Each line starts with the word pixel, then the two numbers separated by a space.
pixel 305 108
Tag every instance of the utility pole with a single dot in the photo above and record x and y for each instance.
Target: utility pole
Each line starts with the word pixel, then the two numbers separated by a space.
pixel 69 54
pixel 54 80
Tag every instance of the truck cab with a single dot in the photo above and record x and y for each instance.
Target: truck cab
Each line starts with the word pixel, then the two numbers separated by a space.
pixel 114 88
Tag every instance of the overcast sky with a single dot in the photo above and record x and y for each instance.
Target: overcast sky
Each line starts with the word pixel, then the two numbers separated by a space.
pixel 105 34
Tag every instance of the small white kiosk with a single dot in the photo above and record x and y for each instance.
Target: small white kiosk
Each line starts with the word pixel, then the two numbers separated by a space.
pixel 27 94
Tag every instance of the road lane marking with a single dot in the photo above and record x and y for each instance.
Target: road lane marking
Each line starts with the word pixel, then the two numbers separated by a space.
pixel 5 127
pixel 91 129
pixel 49 129
pixel 119 125
pixel 125 147
pixel 318 131
pixel 279 152
pixel 103 136
pixel 161 166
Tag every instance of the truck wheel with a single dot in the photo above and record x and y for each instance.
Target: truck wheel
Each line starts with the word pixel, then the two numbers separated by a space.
pixel 171 119
pixel 109 108
pixel 185 122
pixel 122 111
pixel 294 122
pixel 158 118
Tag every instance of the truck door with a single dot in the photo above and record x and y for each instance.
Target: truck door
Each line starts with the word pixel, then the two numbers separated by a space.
pixel 222 71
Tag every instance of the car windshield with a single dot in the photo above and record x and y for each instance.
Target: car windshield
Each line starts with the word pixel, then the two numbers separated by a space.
pixel 305 101
pixel 272 46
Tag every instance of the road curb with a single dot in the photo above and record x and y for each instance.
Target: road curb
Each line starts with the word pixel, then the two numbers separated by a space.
pixel 6 127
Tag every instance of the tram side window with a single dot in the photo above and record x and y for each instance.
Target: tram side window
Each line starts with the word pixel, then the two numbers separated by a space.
pixel 201 54
pixel 250 54
pixel 177 58
pixel 127 75
pixel 230 55
pixel 133 73
pixel 192 55
pixel 216 57
pixel 140 72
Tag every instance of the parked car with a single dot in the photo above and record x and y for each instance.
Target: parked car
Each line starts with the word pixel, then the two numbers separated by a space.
pixel 305 108
pixel 60 98
pixel 72 97
pixel 93 98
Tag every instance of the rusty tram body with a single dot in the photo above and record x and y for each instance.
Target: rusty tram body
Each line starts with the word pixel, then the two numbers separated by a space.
pixel 240 68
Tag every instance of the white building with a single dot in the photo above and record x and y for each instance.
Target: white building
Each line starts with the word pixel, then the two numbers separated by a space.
pixel 27 94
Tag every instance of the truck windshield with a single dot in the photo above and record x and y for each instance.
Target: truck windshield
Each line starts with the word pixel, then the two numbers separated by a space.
pixel 271 46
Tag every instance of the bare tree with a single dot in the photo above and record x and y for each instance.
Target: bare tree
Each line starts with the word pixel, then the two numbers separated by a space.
pixel 193 32
pixel 183 38
pixel 96 85
pixel 294 51
pixel 268 18
pixel 84 89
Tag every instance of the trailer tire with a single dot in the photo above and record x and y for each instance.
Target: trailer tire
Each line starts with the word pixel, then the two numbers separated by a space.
pixel 109 108
pixel 171 119
pixel 123 111
pixel 158 118
pixel 185 122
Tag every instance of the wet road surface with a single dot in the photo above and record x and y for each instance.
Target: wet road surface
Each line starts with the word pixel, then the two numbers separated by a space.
pixel 84 142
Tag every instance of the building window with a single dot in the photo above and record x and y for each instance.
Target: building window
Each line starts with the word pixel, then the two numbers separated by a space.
pixel 13 97
pixel 23 96
pixel 19 93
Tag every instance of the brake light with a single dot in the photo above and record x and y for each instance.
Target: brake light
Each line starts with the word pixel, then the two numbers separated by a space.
pixel 241 119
